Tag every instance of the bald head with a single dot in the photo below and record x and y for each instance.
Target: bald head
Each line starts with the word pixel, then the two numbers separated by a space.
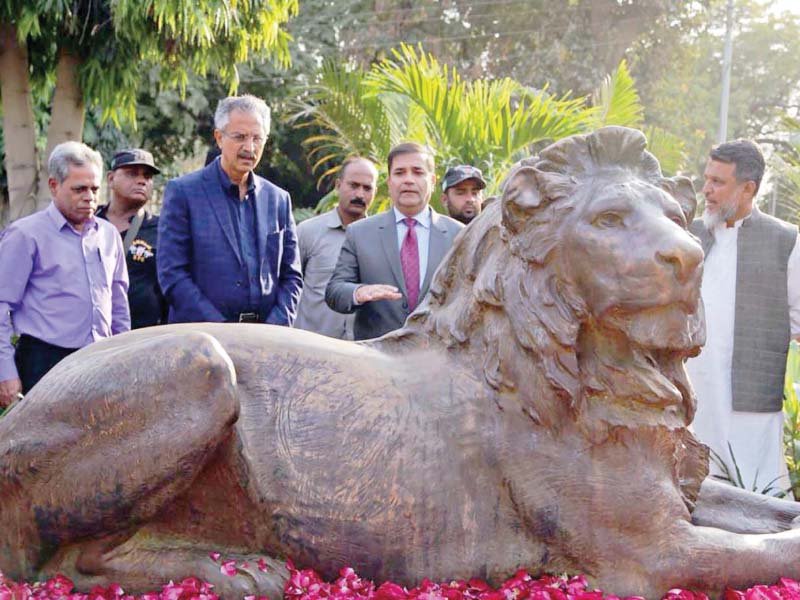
pixel 356 185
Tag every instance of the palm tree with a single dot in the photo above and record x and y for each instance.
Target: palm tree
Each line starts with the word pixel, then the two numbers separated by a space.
pixel 489 123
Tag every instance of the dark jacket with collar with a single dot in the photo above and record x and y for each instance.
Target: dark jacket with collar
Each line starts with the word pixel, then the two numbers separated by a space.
pixel 147 303
pixel 200 267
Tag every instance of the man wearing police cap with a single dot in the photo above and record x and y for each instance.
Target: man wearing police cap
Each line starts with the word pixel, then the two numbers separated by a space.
pixel 130 186
pixel 463 192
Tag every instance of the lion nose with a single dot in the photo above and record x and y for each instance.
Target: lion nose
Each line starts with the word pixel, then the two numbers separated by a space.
pixel 683 258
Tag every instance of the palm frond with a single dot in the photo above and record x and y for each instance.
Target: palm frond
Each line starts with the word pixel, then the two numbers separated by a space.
pixel 488 123
pixel 434 88
pixel 337 103
pixel 482 122
pixel 669 149
pixel 617 100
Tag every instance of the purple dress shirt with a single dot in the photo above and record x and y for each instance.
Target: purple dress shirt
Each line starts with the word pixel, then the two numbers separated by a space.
pixel 62 286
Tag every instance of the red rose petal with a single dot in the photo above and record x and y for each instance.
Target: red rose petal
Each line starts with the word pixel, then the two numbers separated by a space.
pixel 228 568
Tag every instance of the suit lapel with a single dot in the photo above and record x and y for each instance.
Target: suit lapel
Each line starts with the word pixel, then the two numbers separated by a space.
pixel 263 219
pixel 387 232
pixel 217 205
pixel 437 247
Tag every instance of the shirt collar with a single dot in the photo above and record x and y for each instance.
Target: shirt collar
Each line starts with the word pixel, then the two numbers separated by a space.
pixel 333 220
pixel 226 182
pixel 60 220
pixel 744 221
pixel 422 218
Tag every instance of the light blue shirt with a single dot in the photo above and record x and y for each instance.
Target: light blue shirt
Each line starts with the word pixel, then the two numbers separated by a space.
pixel 62 286
pixel 423 231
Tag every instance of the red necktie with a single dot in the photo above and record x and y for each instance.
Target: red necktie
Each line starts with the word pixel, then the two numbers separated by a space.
pixel 409 259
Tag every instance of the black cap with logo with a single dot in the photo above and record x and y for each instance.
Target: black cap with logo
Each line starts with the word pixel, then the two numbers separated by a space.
pixel 133 157
pixel 457 174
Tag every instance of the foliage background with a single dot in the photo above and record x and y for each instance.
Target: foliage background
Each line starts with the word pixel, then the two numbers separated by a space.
pixel 564 48
pixel 673 48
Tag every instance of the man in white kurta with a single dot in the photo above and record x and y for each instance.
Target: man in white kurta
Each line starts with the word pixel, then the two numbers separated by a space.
pixel 749 444
pixel 756 439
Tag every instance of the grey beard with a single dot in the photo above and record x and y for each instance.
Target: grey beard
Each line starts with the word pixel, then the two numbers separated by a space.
pixel 711 220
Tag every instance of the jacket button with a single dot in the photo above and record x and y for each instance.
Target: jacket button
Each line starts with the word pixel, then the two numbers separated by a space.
pixel 238 284
pixel 405 305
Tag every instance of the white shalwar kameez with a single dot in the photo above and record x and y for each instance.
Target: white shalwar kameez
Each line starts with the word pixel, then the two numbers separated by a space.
pixel 755 438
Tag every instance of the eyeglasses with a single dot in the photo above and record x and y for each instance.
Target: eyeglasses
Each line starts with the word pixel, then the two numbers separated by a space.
pixel 241 138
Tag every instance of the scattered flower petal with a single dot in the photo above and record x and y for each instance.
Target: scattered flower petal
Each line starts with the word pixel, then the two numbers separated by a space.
pixel 306 584
pixel 228 568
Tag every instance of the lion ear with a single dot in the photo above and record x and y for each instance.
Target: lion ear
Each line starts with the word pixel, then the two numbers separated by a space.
pixel 520 195
pixel 526 190
pixel 682 189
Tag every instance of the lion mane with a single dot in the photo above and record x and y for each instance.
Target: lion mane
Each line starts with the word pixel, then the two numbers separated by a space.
pixel 497 298
pixel 497 290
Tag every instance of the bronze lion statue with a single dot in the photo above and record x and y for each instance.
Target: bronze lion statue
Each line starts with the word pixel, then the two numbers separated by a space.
pixel 532 413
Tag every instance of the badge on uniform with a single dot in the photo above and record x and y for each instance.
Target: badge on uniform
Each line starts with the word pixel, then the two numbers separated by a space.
pixel 140 250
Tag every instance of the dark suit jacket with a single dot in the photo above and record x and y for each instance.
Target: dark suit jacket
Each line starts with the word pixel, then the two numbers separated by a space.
pixel 370 255
pixel 200 268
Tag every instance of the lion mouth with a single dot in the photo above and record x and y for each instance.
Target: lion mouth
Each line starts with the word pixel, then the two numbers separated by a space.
pixel 677 327
pixel 646 370
pixel 651 384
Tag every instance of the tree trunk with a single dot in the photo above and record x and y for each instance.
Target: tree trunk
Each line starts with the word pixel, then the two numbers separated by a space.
pixel 19 130
pixel 66 122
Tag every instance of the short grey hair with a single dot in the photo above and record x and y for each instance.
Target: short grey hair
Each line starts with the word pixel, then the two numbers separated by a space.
pixel 71 154
pixel 746 157
pixel 246 103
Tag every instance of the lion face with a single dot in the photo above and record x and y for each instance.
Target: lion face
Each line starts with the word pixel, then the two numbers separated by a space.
pixel 627 252
pixel 582 274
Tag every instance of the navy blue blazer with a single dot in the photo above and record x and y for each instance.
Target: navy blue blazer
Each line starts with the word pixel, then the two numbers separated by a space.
pixel 200 268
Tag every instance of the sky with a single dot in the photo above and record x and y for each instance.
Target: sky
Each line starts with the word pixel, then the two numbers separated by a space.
pixel 783 5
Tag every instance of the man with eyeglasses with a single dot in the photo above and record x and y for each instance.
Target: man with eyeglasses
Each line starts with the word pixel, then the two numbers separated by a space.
pixel 227 238
pixel 63 280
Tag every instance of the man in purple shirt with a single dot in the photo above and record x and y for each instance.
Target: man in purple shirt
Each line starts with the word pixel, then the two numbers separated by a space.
pixel 63 274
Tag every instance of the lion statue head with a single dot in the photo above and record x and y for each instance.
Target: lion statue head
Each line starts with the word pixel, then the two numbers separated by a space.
pixel 582 279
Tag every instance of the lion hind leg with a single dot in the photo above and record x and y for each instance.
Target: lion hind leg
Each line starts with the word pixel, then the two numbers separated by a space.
pixel 117 432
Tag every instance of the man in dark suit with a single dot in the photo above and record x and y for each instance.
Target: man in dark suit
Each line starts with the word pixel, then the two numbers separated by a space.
pixel 387 261
pixel 227 239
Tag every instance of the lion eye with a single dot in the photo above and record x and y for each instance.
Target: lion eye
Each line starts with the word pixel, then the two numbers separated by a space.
pixel 609 220
pixel 678 220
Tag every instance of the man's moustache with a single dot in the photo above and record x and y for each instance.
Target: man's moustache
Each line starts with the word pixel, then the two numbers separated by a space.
pixel 358 202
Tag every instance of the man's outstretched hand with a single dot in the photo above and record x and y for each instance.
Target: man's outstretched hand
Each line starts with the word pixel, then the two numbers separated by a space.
pixel 376 291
